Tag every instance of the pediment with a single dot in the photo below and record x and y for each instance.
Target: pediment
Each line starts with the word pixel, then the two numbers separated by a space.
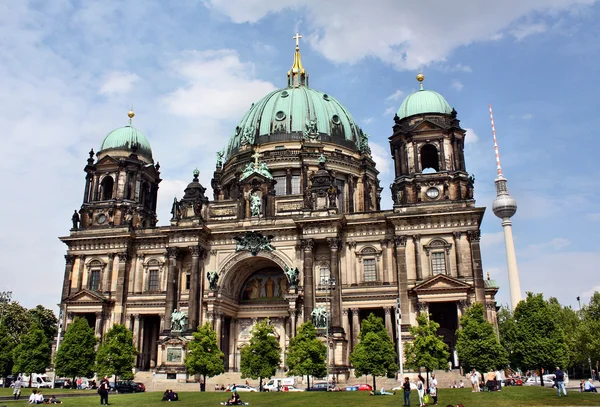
pixel 256 178
pixel 426 125
pixel 441 282
pixel 86 296
pixel 106 160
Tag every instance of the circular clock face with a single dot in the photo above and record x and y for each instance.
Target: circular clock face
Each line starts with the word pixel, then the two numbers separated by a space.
pixel 101 218
pixel 433 193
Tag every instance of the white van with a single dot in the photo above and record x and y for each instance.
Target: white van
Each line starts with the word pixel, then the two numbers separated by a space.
pixel 38 381
pixel 278 383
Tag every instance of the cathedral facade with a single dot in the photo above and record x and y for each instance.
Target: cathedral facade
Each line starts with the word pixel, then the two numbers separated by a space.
pixel 294 231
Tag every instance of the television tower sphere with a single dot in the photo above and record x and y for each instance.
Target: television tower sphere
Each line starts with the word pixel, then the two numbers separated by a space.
pixel 504 206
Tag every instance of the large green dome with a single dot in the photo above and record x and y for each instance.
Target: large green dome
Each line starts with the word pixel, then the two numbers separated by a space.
pixel 290 111
pixel 125 138
pixel 423 101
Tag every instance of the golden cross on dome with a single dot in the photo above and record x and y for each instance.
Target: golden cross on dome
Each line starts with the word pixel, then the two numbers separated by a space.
pixel 256 156
pixel 297 38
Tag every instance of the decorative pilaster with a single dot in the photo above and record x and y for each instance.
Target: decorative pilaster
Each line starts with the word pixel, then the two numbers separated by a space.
pixel 194 302
pixel 387 273
pixel 419 266
pixel 355 326
pixel 308 246
pixel 352 260
pixel 400 246
pixel 81 259
pixel 336 293
pixel 121 294
pixel 139 273
pixel 456 236
pixel 388 322
pixel 474 237
pixel 171 300
pixel 106 284
pixel 66 291
pixel 98 325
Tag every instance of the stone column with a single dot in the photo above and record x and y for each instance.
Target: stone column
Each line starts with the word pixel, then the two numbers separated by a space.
pixel 388 322
pixel 106 284
pixel 194 295
pixel 232 342
pixel 346 326
pixel 397 160
pixel 387 272
pixel 139 273
pixel 171 300
pixel 442 154
pixel 336 290
pixel 309 289
pixel 474 236
pixel 98 327
pixel 120 294
pixel 136 331
pixel 219 327
pixel 81 265
pixel 66 291
pixel 355 326
pixel 162 322
pixel 456 236
pixel 402 277
pixel 352 263
pixel 292 323
pixel 417 242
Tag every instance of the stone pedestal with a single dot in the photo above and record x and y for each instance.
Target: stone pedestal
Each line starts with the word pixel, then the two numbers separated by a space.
pixel 171 355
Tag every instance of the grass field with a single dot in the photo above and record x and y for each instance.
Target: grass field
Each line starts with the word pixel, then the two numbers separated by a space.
pixel 509 397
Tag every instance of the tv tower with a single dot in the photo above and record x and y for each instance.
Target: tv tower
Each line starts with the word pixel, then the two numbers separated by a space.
pixel 504 207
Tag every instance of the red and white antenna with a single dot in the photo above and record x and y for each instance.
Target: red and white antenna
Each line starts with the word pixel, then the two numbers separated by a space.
pixel 495 143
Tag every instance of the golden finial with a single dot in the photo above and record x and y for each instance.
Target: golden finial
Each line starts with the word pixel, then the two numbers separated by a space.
pixel 297 75
pixel 420 78
pixel 131 113
pixel 488 275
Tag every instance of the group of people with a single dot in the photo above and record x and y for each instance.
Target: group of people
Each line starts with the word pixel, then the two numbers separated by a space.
pixel 492 381
pixel 422 392
pixel 587 386
pixel 170 395
pixel 37 397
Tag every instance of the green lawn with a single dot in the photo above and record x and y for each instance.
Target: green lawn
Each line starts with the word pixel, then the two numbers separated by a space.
pixel 509 397
pixel 27 391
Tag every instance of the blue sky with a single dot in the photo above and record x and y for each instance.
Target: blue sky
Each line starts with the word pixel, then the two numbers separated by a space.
pixel 70 70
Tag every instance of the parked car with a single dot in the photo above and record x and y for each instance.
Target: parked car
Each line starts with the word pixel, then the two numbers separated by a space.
pixel 292 388
pixel 242 388
pixel 548 380
pixel 318 387
pixel 129 386
pixel 62 383
pixel 359 387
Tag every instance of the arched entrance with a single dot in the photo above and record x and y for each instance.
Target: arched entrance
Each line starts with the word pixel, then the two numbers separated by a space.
pixel 253 288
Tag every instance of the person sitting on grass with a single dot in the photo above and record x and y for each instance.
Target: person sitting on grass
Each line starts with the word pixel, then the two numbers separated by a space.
pixel 170 395
pixel 381 392
pixel 235 400
pixel 589 387
pixel 52 400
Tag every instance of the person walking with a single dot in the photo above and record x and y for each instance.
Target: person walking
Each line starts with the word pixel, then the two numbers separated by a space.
pixel 421 390
pixel 474 381
pixel 103 391
pixel 17 390
pixel 560 381
pixel 433 388
pixel 406 387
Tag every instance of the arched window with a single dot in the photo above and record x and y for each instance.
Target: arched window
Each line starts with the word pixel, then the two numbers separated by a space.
pixel 106 186
pixel 429 158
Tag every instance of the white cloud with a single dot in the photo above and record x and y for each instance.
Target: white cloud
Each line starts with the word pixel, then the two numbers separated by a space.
pixel 381 156
pixel 457 85
pixel 527 116
pixel 390 111
pixel 463 68
pixel 368 120
pixel 555 244
pixel 118 83
pixel 471 137
pixel 491 241
pixel 405 37
pixel 395 96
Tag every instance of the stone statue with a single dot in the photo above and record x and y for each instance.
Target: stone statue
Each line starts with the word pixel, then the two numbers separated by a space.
pixel 175 210
pixel 248 136
pixel 75 219
pixel 213 278
pixel 471 187
pixel 320 317
pixel 292 275
pixel 332 194
pixel 308 201
pixel 254 242
pixel 310 129
pixel 178 320
pixel 220 155
pixel 363 143
pixel 128 216
pixel 255 205
pixel 396 119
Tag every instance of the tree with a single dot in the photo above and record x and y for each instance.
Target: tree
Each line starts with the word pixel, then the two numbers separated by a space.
pixel 7 347
pixel 477 344
pixel 306 354
pixel 261 357
pixel 204 356
pixel 77 353
pixel 539 341
pixel 116 353
pixel 507 328
pixel 16 319
pixel 374 354
pixel 570 323
pixel 427 350
pixel 46 319
pixel 32 354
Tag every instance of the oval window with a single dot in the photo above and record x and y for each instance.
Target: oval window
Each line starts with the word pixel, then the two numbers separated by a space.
pixel 433 193
pixel 284 94
pixel 280 115
pixel 326 96
pixel 336 119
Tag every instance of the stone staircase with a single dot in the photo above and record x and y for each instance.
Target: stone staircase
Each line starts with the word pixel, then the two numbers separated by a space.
pixel 445 380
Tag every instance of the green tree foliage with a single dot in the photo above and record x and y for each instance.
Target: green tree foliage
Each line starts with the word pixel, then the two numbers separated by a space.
pixel 46 319
pixel 539 341
pixel 374 354
pixel 16 319
pixel 507 328
pixel 427 350
pixel 586 337
pixel 306 354
pixel 7 347
pixel 77 354
pixel 570 324
pixel 116 353
pixel 477 344
pixel 204 356
pixel 32 354
pixel 261 357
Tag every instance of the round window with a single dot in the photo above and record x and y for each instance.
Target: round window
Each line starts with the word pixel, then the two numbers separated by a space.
pixel 280 115
pixel 433 193
pixel 336 119
pixel 284 94
pixel 101 218
pixel 326 96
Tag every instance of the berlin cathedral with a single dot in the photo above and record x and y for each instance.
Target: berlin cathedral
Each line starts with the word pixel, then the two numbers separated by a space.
pixel 293 229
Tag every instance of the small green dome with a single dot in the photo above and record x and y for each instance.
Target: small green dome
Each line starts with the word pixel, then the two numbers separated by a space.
pixel 124 138
pixel 294 110
pixel 423 101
